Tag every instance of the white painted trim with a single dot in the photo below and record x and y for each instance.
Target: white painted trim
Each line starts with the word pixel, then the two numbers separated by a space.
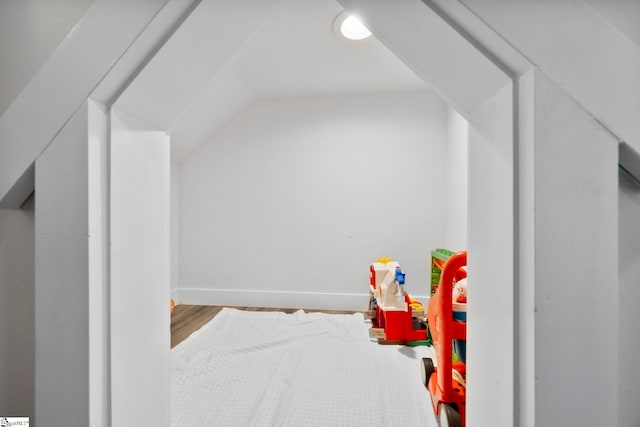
pixel 283 299
pixel 60 87
pixel 139 221
pixel 175 294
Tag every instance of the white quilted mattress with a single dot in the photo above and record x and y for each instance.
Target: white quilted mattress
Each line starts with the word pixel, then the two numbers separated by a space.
pixel 302 369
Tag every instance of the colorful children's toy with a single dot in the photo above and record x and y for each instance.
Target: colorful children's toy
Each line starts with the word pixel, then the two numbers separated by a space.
pixel 447 382
pixel 398 317
pixel 438 258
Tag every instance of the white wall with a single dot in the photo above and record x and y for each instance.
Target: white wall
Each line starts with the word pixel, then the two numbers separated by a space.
pixel 98 213
pixel 491 262
pixel 71 296
pixel 62 278
pixel 140 272
pixel 575 180
pixel 174 230
pixel 17 313
pixel 524 352
pixel 290 202
pixel 628 303
pixel 456 189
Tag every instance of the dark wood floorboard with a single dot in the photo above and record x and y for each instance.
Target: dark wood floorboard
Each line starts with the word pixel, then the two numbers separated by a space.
pixel 187 319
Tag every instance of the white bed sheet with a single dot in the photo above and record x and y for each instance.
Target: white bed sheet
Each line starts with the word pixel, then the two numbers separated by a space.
pixel 302 369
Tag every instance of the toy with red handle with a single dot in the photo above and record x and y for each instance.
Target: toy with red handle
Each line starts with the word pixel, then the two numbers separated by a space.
pixel 447 383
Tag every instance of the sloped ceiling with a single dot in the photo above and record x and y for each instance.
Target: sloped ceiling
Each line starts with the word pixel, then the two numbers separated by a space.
pixel 588 48
pixel 227 54
pixel 30 30
pixel 285 48
pixel 296 53
pixel 625 16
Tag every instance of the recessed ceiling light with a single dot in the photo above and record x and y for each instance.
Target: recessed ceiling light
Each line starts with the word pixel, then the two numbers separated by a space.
pixel 350 27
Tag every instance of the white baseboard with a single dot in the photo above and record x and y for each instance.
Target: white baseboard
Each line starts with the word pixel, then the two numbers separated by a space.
pixel 175 294
pixel 281 299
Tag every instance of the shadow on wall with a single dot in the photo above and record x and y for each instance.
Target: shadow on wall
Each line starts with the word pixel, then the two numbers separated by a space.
pixel 628 299
pixel 17 311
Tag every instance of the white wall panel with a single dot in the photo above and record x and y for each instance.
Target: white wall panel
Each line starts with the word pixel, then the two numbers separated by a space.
pixel 140 272
pixel 302 195
pixel 628 302
pixel 62 278
pixel 98 251
pixel 456 187
pixel 490 349
pixel 576 252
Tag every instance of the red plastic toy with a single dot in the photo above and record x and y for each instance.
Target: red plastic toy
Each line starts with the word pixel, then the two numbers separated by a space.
pixel 447 382
pixel 398 317
pixel 401 326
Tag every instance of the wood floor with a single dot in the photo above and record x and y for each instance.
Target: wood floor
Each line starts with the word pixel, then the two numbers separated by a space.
pixel 187 319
